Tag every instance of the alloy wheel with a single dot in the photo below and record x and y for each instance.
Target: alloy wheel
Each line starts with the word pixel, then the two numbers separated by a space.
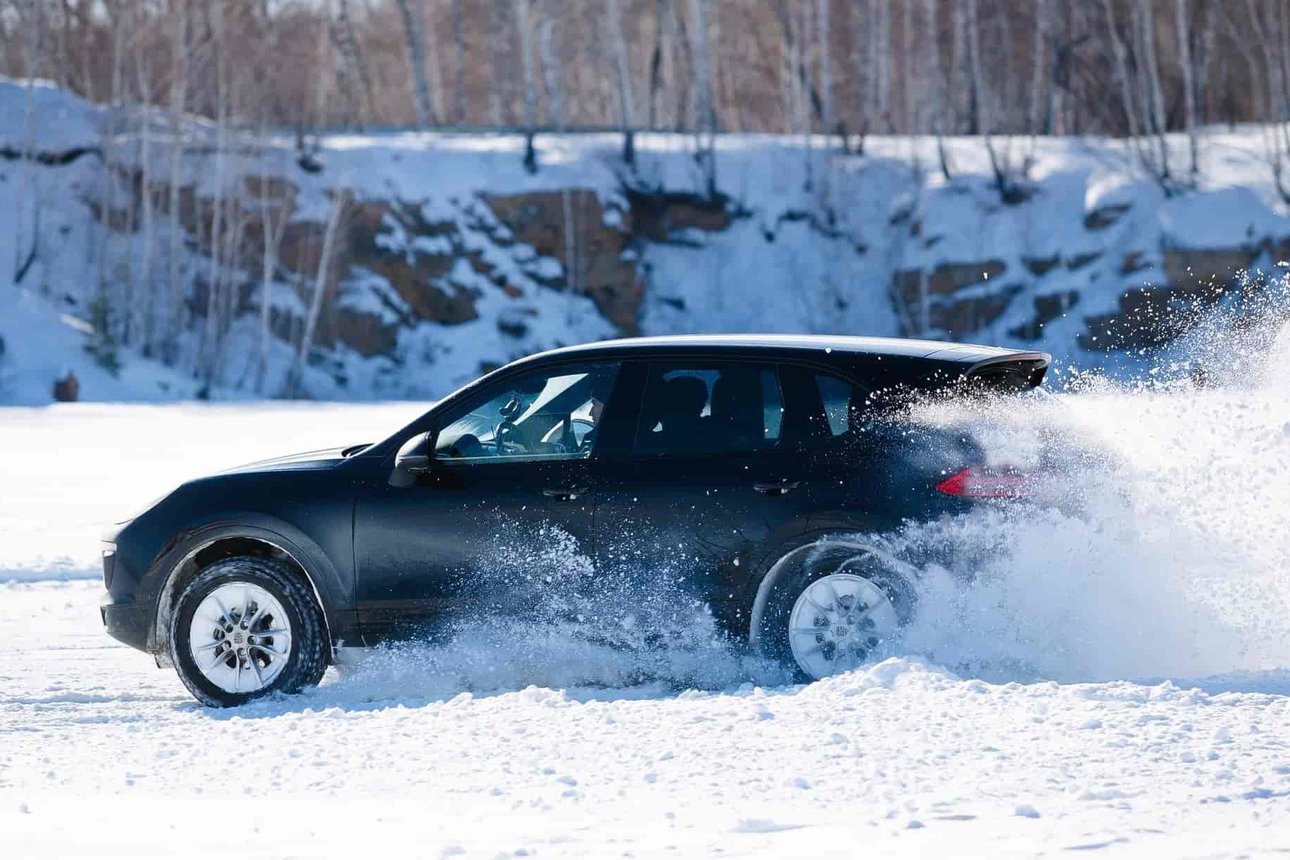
pixel 838 622
pixel 240 637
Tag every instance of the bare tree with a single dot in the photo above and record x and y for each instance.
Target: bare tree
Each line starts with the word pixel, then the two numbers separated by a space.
pixel 459 62
pixel 1040 107
pixel 414 36
pixel 143 308
pixel 352 71
pixel 1046 64
pixel 936 82
pixel 878 74
pixel 705 129
pixel 295 377
pixel 623 77
pixel 179 53
pixel 27 241
pixel 1183 29
pixel 524 29
pixel 1144 26
pixel 828 115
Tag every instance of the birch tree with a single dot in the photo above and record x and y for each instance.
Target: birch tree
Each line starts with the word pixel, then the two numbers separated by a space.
pixel 1144 30
pixel 704 115
pixel 352 69
pixel 179 42
pixel 1040 115
pixel 295 376
pixel 144 308
pixel 828 114
pixel 878 56
pixel 414 37
pixel 549 51
pixel 524 30
pixel 622 75
pixel 459 62
pixel 936 81
pixel 27 241
pixel 1182 26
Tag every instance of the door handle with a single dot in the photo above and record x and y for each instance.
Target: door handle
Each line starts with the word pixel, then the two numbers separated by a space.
pixel 776 488
pixel 564 494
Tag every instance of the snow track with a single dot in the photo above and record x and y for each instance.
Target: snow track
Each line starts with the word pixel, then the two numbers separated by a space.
pixel 102 754
pixel 551 746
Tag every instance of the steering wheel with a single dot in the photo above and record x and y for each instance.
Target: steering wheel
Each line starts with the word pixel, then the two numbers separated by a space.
pixel 556 435
pixel 504 429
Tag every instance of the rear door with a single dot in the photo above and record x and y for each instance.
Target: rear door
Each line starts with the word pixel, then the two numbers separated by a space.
pixel 703 479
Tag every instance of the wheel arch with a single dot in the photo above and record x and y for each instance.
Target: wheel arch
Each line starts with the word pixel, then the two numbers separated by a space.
pixel 209 545
pixel 823 548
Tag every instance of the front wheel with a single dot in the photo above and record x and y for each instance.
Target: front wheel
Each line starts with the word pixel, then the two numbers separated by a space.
pixel 820 621
pixel 245 627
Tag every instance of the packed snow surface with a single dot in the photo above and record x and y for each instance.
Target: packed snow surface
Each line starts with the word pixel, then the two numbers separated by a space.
pixel 1114 678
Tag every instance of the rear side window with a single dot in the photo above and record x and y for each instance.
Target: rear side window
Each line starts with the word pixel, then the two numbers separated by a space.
pixel 715 408
pixel 839 399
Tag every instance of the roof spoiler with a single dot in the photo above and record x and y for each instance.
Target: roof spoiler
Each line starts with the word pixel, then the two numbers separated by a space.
pixel 1018 371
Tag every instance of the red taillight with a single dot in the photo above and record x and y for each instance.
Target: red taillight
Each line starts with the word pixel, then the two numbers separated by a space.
pixel 982 482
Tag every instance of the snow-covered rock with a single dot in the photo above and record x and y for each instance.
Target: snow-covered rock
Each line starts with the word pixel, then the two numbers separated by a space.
pixel 452 257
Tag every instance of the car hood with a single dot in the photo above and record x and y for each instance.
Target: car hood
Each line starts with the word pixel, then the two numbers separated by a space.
pixel 305 461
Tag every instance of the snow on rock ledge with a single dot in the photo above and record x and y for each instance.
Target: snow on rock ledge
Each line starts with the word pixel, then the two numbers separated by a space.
pixel 451 258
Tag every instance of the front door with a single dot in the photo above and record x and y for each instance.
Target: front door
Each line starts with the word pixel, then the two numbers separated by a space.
pixel 507 502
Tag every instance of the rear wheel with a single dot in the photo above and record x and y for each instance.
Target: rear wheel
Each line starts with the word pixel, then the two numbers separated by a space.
pixel 824 619
pixel 246 627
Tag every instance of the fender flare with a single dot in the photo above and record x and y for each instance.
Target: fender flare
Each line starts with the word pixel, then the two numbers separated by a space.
pixel 324 580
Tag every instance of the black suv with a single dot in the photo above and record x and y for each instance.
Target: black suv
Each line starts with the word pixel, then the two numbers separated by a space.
pixel 743 471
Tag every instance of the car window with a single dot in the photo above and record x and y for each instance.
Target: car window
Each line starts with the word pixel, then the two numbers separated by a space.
pixel 543 415
pixel 841 400
pixel 709 409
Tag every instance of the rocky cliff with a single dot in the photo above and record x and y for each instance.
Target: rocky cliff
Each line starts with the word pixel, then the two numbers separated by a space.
pixel 449 257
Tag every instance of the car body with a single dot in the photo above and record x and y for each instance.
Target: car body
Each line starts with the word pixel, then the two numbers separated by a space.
pixel 702 461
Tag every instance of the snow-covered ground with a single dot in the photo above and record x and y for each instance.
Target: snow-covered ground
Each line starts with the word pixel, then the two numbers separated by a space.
pixel 1030 715
pixel 101 754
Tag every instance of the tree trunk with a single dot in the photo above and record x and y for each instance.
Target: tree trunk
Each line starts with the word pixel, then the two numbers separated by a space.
pixel 824 27
pixel 459 62
pixel 523 27
pixel 175 231
pixel 414 37
pixel 1145 29
pixel 1039 118
pixel 1183 26
pixel 622 72
pixel 296 376
pixel 353 69
pixel 936 82
pixel 704 115
pixel 145 289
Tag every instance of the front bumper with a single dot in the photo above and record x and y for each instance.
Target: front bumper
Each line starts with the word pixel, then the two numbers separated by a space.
pixel 124 621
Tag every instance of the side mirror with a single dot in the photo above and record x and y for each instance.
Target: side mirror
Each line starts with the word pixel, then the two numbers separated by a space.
pixel 413 459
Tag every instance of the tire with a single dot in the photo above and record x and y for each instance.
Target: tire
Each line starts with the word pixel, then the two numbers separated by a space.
pixel 853 567
pixel 252 668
